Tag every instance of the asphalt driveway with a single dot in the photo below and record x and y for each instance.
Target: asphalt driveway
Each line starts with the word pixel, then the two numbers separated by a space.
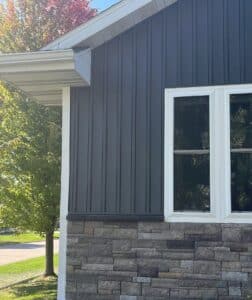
pixel 17 252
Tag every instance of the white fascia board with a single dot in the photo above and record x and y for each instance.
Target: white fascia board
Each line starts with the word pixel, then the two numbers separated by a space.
pixel 37 61
pixel 109 23
pixel 42 75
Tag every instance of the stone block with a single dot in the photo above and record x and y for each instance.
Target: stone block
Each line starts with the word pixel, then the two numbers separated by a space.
pixel 163 265
pixel 246 257
pixel 74 261
pixel 231 266
pixel 156 292
pixel 224 255
pixel 126 254
pixel 148 252
pixel 177 244
pixel 208 293
pixel 142 279
pixel 124 297
pixel 178 255
pixel 93 224
pixel 237 247
pixel 100 250
pixel 108 285
pixel 203 276
pixel 87 288
pixel 222 292
pixel 131 288
pixel 234 291
pixel 110 233
pixel 100 260
pixel 117 276
pixel 85 296
pixel 202 283
pixel 75 227
pixel 204 253
pixel 234 276
pixel 170 275
pixel 97 267
pixel 147 271
pixel 203 237
pixel 231 234
pixel 207 267
pixel 247 235
pixel 153 227
pixel 121 264
pixel 187 265
pixel 71 286
pixel 157 244
pixel 121 245
pixel 166 235
pixel 164 283
pixel 179 293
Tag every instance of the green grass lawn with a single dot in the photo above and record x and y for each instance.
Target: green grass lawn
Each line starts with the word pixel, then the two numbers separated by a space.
pixel 36 289
pixel 27 237
pixel 16 272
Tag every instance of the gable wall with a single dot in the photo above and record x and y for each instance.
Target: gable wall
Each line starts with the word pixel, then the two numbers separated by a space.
pixel 117 125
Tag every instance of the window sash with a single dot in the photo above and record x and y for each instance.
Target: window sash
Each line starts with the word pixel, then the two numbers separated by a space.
pixel 170 151
pixel 220 155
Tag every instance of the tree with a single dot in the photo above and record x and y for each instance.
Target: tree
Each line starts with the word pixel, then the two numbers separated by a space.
pixel 28 25
pixel 30 134
pixel 30 138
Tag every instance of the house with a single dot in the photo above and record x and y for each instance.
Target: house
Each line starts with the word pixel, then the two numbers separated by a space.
pixel 157 149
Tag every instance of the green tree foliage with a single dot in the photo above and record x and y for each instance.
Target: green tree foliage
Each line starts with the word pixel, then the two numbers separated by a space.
pixel 30 139
pixel 30 134
pixel 30 148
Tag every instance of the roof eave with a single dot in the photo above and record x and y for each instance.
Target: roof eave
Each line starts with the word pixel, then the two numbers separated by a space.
pixel 109 24
pixel 42 75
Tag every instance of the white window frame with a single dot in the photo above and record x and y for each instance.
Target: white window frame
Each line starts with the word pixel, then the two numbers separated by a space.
pixel 220 155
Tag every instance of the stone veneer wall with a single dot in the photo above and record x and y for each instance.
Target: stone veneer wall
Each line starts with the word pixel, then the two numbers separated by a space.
pixel 158 261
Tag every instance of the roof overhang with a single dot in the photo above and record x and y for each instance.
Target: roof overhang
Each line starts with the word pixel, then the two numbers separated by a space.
pixel 42 75
pixel 109 24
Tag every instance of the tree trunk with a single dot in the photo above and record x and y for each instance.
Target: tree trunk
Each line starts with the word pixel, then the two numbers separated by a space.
pixel 49 255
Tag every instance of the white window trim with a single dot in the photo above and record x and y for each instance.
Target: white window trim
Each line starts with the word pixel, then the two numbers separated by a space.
pixel 220 159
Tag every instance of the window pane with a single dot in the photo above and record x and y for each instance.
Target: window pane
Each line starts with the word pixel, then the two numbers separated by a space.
pixel 192 187
pixel 241 182
pixel 241 121
pixel 191 123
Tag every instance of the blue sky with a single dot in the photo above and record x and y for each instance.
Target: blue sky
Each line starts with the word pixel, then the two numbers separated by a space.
pixel 103 4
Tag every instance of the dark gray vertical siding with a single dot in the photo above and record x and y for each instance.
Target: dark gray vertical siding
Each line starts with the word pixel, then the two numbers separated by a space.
pixel 117 127
pixel 126 192
pixel 248 40
pixel 79 149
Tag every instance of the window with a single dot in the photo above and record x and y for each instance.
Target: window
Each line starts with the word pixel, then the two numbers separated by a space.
pixel 208 154
pixel 191 154
pixel 241 152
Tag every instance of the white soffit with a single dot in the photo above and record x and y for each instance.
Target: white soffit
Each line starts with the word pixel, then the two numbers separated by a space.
pixel 109 24
pixel 42 75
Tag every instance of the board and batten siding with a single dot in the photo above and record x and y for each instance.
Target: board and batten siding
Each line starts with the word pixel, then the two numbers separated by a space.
pixel 117 124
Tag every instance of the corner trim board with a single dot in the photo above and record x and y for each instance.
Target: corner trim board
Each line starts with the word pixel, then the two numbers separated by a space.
pixel 64 191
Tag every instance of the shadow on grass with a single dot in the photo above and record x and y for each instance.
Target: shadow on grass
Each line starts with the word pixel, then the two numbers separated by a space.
pixel 39 288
